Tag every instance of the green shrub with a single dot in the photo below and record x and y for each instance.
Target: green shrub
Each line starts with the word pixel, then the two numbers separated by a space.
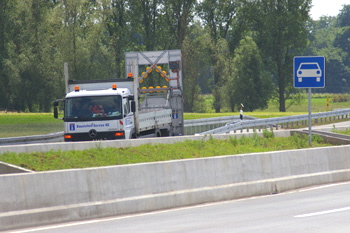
pixel 233 141
pixel 268 134
pixel 300 141
pixel 317 138
pixel 339 99
pixel 204 104
pixel 256 139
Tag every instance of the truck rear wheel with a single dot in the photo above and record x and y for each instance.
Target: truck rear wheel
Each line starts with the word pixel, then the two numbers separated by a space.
pixel 164 132
pixel 133 135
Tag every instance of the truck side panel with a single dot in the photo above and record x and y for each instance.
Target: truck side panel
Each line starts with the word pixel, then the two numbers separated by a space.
pixel 155 119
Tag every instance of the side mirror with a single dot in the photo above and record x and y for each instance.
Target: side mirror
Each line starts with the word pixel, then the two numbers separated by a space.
pixel 133 106
pixel 55 108
pixel 55 112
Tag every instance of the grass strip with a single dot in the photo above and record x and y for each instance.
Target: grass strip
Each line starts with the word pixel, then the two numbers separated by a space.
pixel 96 157
pixel 345 132
pixel 26 124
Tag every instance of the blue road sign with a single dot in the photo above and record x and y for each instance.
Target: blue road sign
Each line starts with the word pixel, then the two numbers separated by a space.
pixel 309 72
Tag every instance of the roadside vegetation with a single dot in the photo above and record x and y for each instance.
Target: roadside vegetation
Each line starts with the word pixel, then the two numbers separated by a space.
pixel 56 160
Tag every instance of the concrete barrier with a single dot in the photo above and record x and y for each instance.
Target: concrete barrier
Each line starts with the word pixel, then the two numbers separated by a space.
pixel 71 195
pixel 6 168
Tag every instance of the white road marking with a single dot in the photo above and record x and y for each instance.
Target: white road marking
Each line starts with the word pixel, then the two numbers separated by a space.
pixel 322 212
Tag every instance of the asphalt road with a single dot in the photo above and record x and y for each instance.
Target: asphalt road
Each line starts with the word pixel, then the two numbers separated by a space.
pixel 319 209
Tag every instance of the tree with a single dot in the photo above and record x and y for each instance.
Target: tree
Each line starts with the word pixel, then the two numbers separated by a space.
pixel 322 37
pixel 190 73
pixel 145 18
pixel 279 30
pixel 342 42
pixel 77 43
pixel 24 65
pixel 6 24
pixel 116 17
pixel 343 18
pixel 218 15
pixel 342 39
pixel 249 83
pixel 179 13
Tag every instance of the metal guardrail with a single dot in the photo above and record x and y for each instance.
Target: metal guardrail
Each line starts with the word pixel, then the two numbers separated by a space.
pixel 200 125
pixel 276 121
pixel 52 137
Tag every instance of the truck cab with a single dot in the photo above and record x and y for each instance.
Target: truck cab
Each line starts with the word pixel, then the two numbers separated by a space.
pixel 97 114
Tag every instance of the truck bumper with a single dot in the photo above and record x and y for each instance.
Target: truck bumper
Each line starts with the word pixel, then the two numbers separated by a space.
pixel 94 135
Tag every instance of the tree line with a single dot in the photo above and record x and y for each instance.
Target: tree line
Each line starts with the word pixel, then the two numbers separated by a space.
pixel 236 50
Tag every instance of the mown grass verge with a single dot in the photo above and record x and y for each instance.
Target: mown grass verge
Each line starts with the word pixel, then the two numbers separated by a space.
pixel 346 131
pixel 26 124
pixel 56 160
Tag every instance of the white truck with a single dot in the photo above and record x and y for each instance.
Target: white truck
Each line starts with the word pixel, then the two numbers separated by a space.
pixel 119 108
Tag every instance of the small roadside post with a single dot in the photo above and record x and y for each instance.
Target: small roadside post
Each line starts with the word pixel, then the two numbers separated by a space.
pixel 241 112
pixel 309 72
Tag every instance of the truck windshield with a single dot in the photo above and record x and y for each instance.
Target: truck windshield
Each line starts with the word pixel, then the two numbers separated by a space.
pixel 93 108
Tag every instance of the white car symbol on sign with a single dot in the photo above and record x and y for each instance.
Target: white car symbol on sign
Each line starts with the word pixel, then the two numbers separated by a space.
pixel 309 70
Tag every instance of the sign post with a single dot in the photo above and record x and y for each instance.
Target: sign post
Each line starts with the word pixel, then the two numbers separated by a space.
pixel 309 118
pixel 309 72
